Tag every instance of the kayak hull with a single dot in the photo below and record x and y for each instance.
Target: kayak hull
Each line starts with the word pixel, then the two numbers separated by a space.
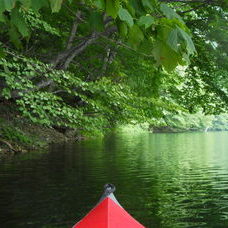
pixel 108 214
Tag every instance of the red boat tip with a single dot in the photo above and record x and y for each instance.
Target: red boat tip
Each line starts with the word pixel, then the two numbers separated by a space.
pixel 108 214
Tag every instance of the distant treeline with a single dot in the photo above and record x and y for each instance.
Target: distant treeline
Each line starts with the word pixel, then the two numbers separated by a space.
pixel 192 122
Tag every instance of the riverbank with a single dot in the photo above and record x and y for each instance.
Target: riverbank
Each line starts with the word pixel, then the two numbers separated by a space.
pixel 20 135
pixel 167 129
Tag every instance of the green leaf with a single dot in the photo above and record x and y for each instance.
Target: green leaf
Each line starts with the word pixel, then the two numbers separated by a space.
pixel 147 4
pixel 146 21
pixel 6 92
pixel 5 5
pixel 2 9
pixel 169 12
pixel 18 20
pixel 2 18
pixel 136 36
pixel 124 15
pixel 122 28
pixel 165 56
pixel 8 4
pixel 176 36
pixel 112 7
pixel 6 69
pixel 38 4
pixel 189 43
pixel 96 21
pixel 2 53
pixel 100 4
pixel 137 6
pixel 56 5
pixel 131 9
pixel 26 3
pixel 172 40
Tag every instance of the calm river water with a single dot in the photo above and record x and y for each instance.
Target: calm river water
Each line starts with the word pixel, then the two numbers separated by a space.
pixel 163 180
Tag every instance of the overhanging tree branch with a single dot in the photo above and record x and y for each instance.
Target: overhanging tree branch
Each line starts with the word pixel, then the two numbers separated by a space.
pixel 73 31
pixel 192 9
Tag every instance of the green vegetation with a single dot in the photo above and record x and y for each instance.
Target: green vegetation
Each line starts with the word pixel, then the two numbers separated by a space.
pixel 220 123
pixel 18 134
pixel 92 65
pixel 15 140
pixel 192 122
pixel 15 135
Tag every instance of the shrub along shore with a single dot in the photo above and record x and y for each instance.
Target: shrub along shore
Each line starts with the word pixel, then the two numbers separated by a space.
pixel 19 135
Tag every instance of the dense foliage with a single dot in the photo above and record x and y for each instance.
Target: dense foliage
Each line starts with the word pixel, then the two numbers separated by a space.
pixel 192 122
pixel 91 65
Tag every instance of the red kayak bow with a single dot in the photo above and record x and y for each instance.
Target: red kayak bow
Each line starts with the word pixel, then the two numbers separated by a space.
pixel 108 214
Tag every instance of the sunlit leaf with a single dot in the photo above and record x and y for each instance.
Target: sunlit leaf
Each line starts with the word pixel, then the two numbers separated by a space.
pixel 147 4
pixel 100 4
pixel 56 5
pixel 189 43
pixel 165 56
pixel 169 12
pixel 173 40
pixel 124 15
pixel 177 36
pixel 146 21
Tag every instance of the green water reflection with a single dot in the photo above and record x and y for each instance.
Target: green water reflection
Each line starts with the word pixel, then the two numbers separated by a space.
pixel 163 180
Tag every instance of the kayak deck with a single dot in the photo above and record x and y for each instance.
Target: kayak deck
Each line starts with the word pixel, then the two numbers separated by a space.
pixel 108 214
